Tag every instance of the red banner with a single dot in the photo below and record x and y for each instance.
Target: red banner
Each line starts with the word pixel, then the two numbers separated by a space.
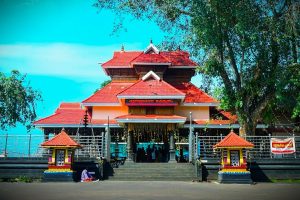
pixel 283 146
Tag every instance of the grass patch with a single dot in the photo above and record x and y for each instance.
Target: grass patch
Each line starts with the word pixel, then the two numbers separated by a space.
pixel 285 180
pixel 20 179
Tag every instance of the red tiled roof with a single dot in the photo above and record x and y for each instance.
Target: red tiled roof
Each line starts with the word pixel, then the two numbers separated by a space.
pixel 67 114
pixel 233 140
pixel 213 122
pixel 122 59
pixel 229 115
pixel 151 87
pixel 126 58
pixel 108 94
pixel 70 106
pixel 150 58
pixel 150 117
pixel 178 58
pixel 61 140
pixel 194 94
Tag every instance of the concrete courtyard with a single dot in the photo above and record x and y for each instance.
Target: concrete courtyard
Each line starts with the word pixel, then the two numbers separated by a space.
pixel 147 190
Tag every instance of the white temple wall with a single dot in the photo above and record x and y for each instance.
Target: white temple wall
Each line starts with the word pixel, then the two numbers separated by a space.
pixel 198 113
pixel 111 111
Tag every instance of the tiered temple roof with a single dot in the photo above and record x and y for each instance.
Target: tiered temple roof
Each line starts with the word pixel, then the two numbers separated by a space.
pixel 170 81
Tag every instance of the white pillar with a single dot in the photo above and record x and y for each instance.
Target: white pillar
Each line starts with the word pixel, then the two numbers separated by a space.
pixel 107 144
pixel 172 148
pixel 196 146
pixel 191 140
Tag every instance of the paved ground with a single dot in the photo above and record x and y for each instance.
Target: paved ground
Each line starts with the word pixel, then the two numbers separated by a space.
pixel 133 190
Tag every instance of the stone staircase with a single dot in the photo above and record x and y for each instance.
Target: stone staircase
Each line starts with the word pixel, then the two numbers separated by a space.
pixel 154 172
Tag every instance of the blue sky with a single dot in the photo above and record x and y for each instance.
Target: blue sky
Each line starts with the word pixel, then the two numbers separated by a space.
pixel 59 45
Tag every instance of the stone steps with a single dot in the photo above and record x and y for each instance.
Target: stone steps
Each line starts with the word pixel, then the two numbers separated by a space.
pixel 154 172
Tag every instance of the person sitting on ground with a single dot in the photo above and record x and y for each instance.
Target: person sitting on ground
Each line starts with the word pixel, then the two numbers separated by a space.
pixel 85 176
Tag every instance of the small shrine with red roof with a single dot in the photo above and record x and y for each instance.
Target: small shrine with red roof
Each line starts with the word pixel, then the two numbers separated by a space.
pixel 233 159
pixel 150 100
pixel 60 161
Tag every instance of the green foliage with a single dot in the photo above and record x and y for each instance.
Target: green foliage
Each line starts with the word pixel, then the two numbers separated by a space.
pixel 103 84
pixel 24 179
pixel 246 46
pixel 17 100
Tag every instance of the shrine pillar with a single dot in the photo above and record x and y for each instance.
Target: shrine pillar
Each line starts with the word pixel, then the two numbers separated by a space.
pixel 191 145
pixel 129 147
pixel 107 143
pixel 172 147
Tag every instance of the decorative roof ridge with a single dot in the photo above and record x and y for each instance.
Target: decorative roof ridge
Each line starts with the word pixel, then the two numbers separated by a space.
pixel 151 47
pixel 151 74
pixel 135 57
pixel 130 86
pixel 133 61
pixel 161 80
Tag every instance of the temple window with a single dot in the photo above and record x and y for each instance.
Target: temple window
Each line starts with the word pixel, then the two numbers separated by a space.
pixel 60 157
pixel 234 158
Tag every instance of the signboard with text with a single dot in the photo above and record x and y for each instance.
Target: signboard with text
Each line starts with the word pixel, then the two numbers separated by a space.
pixel 283 146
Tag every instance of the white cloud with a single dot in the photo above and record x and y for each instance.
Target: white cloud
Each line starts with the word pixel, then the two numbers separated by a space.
pixel 58 59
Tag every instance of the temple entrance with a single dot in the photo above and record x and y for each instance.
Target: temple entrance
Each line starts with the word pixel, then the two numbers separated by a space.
pixel 151 142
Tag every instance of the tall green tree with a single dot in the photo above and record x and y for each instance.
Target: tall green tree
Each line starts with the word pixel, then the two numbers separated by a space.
pixel 17 101
pixel 246 44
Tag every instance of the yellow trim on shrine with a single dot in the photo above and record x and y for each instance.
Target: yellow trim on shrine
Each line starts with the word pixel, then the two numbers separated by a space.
pixel 60 147
pixel 59 170
pixel 53 155
pixel 241 157
pixel 234 170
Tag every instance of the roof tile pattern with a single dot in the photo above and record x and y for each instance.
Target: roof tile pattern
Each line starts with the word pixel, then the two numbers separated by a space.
pixel 233 140
pixel 65 116
pixel 179 58
pixel 61 140
pixel 150 58
pixel 126 59
pixel 151 87
pixel 67 113
pixel 212 122
pixel 122 59
pixel 194 94
pixel 108 94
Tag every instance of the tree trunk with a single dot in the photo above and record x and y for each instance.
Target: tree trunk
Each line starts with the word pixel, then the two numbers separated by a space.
pixel 247 128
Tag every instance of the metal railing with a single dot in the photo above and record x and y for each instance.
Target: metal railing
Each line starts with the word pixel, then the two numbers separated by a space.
pixel 261 150
pixel 30 146
pixel 94 146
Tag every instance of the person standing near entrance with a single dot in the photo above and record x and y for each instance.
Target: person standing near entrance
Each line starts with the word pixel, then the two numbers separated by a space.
pixel 149 151
pixel 153 154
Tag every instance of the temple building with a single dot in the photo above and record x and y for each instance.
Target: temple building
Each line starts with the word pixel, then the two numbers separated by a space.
pixel 150 100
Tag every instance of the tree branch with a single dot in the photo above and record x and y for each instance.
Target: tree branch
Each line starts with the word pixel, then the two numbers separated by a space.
pixel 233 61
